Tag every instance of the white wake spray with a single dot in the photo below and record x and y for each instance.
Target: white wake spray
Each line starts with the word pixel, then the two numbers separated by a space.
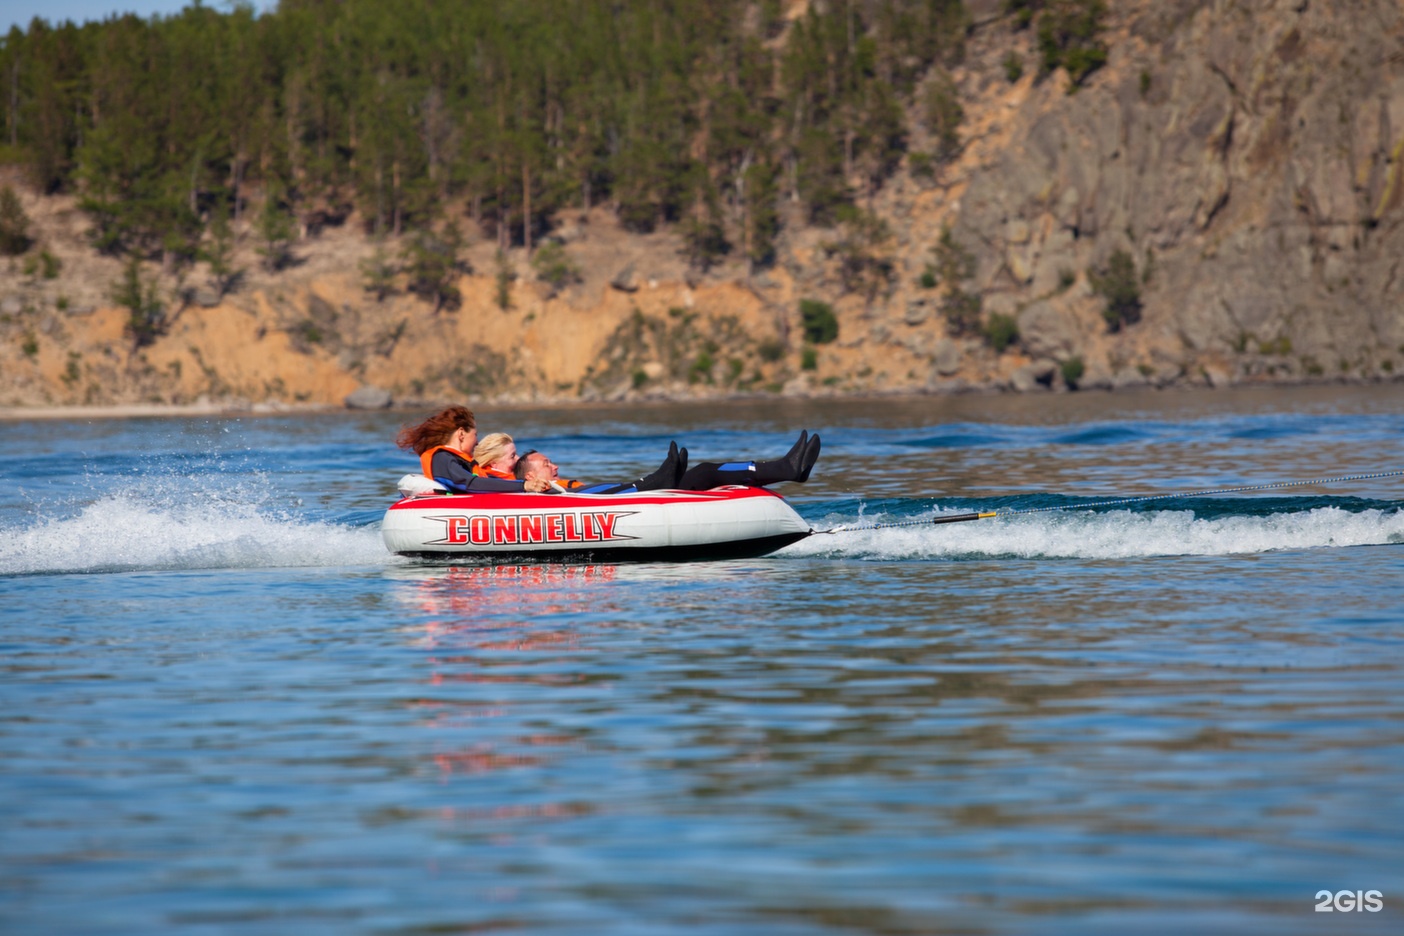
pixel 1112 535
pixel 126 531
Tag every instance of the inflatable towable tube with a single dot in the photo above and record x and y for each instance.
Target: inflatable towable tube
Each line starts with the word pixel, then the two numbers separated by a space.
pixel 654 526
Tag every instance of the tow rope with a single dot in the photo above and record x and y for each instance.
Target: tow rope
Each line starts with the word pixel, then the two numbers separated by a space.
pixel 1010 511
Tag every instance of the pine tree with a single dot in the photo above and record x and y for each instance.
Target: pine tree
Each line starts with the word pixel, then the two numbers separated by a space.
pixel 378 273
pixel 275 231
pixel 555 267
pixel 433 265
pixel 687 113
pixel 218 253
pixel 146 313
pixel 14 224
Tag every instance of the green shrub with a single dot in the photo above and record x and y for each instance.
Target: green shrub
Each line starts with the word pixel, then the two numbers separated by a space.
pixel 377 273
pixel 1001 331
pixel 554 266
pixel 962 312
pixel 49 265
pixel 809 359
pixel 944 115
pixel 701 369
pixel 1119 286
pixel 14 224
pixel 820 324
pixel 309 331
pixel 1013 67
pixel 951 263
pixel 1072 370
pixel 771 351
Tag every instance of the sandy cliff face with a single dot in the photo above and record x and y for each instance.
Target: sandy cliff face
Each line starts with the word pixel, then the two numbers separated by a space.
pixel 1246 155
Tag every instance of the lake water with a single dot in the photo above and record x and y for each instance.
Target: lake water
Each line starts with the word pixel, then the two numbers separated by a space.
pixel 225 708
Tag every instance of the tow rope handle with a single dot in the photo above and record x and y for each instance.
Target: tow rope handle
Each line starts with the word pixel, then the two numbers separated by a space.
pixel 958 518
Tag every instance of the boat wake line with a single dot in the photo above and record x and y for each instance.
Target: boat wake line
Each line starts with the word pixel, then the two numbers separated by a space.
pixel 1087 529
pixel 132 530
pixel 1115 534
pixel 1118 502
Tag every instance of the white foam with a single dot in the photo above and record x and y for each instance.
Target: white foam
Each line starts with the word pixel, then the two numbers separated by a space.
pixel 125 532
pixel 1114 535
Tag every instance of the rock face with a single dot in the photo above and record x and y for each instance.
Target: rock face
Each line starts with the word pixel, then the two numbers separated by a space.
pixel 1248 156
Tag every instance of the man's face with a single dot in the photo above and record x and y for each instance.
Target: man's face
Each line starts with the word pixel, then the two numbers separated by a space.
pixel 539 466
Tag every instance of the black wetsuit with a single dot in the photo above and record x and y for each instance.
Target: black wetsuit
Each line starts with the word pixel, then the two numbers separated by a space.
pixel 708 475
pixel 456 473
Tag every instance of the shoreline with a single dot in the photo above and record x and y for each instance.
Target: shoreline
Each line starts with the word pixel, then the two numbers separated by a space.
pixel 236 408
pixel 156 410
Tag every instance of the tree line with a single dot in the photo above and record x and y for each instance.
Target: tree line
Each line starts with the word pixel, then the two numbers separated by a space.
pixel 702 113
pixel 705 114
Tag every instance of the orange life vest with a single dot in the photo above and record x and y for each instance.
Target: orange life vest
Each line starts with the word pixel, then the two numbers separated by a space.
pixel 426 459
pixel 482 472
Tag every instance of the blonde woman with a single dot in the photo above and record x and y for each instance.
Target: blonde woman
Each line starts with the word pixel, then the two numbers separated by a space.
pixel 495 456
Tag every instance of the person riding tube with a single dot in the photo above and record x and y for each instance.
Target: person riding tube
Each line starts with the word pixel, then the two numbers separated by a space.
pixel 445 440
pixel 795 465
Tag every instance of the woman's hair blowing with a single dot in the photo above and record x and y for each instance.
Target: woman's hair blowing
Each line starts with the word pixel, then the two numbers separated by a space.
pixel 436 429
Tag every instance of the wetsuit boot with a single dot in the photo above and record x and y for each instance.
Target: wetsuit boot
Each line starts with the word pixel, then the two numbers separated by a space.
pixel 795 466
pixel 811 455
pixel 668 473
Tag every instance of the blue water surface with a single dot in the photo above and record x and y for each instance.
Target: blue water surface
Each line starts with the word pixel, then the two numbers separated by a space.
pixel 225 708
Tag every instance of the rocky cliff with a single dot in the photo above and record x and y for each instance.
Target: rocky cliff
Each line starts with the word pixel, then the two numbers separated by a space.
pixel 1235 167
pixel 1248 156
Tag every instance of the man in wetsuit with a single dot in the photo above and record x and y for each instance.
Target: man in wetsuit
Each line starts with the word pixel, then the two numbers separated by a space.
pixel 796 465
